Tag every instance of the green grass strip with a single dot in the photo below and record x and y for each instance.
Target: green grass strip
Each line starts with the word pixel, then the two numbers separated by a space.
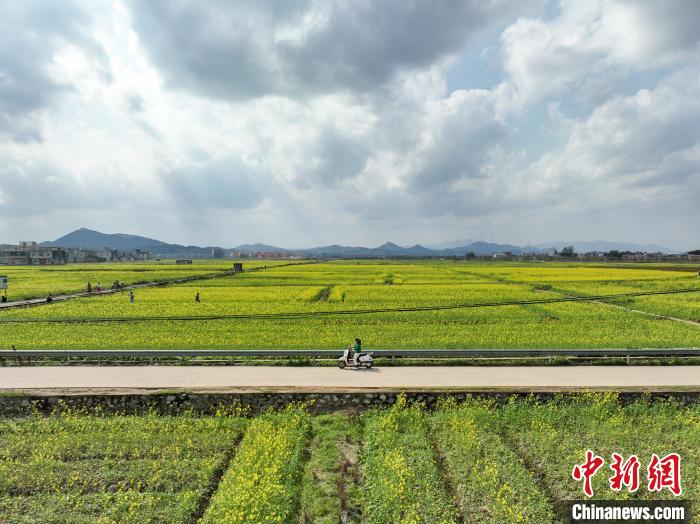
pixel 490 482
pixel 330 479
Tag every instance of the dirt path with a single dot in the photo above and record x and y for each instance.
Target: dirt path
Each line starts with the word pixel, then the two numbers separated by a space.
pixel 531 378
pixel 649 314
pixel 155 283
pixel 109 291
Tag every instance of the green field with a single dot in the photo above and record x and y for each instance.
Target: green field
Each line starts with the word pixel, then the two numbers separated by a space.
pixel 350 290
pixel 38 281
pixel 470 462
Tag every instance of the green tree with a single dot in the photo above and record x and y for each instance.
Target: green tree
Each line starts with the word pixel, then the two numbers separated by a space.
pixel 568 252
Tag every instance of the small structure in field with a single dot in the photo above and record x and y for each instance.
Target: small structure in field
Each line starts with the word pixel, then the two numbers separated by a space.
pixel 183 261
pixel 237 267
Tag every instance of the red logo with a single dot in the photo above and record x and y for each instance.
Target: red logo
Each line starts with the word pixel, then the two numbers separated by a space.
pixel 661 473
pixel 586 471
pixel 625 473
pixel 665 473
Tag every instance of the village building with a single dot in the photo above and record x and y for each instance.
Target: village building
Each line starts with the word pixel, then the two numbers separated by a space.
pixel 28 253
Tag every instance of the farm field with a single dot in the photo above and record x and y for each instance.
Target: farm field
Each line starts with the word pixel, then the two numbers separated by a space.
pixel 38 281
pixel 327 305
pixel 475 461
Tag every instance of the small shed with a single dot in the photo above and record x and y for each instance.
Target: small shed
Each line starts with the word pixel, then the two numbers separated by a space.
pixel 237 267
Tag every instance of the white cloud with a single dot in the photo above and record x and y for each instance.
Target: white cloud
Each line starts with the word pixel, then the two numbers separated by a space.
pixel 638 156
pixel 310 128
pixel 596 38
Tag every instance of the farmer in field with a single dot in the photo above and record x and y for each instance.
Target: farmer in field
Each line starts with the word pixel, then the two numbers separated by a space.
pixel 89 288
pixel 131 297
pixel 196 298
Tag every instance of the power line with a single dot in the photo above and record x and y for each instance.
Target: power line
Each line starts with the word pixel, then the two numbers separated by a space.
pixel 350 312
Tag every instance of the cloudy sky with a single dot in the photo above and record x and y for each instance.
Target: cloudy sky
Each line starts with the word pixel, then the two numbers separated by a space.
pixel 301 123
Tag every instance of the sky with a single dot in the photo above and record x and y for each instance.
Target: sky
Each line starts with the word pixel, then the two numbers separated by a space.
pixel 301 122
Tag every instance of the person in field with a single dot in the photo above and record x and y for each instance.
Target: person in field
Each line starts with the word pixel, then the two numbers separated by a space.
pixel 196 298
pixel 49 298
pixel 131 297
pixel 98 288
pixel 89 288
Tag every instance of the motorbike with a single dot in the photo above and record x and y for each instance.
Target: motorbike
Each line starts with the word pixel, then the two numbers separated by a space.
pixel 363 360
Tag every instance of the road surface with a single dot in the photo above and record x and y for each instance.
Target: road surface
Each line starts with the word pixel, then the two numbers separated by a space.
pixel 76 379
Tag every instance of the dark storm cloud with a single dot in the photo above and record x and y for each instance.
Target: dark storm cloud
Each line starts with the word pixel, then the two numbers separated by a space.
pixel 334 158
pixel 29 31
pixel 462 141
pixel 221 184
pixel 239 50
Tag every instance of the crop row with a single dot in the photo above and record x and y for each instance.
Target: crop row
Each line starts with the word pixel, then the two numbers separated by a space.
pixel 473 461
pixel 79 468
pixel 262 482
pixel 325 288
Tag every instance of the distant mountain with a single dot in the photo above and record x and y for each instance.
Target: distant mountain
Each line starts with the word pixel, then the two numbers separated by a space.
pixel 390 249
pixel 89 239
pixel 605 246
pixel 449 244
pixel 259 248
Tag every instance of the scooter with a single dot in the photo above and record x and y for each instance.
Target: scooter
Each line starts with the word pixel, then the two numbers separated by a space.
pixel 363 360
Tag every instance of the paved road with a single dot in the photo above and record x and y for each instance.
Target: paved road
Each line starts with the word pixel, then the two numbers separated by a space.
pixel 332 379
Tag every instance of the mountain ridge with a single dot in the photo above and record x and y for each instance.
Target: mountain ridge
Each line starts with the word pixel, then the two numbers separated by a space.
pixel 91 239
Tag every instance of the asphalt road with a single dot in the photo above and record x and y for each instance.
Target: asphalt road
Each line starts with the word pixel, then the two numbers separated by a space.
pixel 279 378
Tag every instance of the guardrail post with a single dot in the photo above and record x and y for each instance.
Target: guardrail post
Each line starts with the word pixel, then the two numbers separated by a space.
pixel 628 360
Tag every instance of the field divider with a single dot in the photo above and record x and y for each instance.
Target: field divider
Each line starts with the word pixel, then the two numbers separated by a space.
pixel 530 464
pixel 155 283
pixel 641 312
pixel 351 312
pixel 440 462
pixel 216 477
pixel 601 299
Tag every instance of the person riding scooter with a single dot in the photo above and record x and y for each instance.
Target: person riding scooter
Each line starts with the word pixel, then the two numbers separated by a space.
pixel 353 356
pixel 357 349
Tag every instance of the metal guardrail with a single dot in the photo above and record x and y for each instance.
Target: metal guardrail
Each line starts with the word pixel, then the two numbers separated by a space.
pixel 331 353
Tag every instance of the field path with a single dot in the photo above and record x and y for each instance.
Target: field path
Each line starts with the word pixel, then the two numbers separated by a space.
pixel 155 283
pixel 109 291
pixel 648 313
pixel 306 379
